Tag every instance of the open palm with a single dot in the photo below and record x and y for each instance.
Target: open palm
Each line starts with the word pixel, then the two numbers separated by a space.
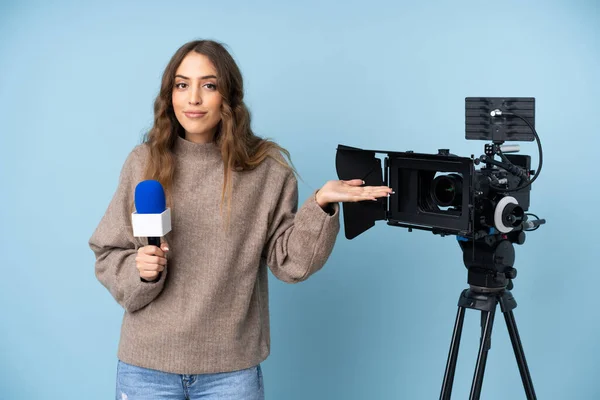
pixel 349 191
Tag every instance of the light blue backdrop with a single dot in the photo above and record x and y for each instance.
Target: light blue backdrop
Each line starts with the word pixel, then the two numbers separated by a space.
pixel 77 82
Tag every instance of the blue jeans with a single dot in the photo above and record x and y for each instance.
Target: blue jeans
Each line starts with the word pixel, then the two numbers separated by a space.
pixel 137 383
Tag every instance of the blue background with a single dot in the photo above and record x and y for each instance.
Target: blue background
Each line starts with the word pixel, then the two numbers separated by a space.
pixel 77 83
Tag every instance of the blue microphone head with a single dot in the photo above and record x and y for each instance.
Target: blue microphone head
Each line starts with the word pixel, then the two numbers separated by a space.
pixel 150 197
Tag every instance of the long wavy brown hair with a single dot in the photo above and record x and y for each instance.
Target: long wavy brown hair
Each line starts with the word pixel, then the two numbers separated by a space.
pixel 241 149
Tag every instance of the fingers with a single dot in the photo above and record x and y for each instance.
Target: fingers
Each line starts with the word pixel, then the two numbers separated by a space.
pixel 151 260
pixel 371 193
pixel 355 182
pixel 163 244
pixel 359 183
pixel 148 271
pixel 150 276
pixel 371 190
pixel 352 190
pixel 142 266
pixel 153 250
pixel 151 263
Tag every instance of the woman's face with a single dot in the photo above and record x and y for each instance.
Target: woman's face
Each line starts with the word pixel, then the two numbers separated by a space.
pixel 196 100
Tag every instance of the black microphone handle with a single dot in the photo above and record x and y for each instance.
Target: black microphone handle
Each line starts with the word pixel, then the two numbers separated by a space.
pixel 154 241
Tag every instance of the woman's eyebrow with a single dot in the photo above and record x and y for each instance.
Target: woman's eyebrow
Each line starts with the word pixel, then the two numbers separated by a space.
pixel 202 77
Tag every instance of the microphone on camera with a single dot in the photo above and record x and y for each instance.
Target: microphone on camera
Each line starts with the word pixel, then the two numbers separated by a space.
pixel 152 218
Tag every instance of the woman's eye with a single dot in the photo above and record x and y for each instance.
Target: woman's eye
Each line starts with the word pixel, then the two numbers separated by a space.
pixel 180 85
pixel 210 86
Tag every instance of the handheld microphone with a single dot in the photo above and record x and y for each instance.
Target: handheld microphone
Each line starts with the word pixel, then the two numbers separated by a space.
pixel 152 218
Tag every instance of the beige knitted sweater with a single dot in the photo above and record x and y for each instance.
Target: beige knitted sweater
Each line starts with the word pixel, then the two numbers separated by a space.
pixel 209 311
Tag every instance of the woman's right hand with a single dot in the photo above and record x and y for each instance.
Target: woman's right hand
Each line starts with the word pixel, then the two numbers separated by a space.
pixel 151 261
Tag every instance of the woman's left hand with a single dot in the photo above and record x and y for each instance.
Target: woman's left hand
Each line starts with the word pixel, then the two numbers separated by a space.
pixel 349 191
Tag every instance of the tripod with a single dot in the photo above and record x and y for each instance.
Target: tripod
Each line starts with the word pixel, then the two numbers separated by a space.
pixel 490 279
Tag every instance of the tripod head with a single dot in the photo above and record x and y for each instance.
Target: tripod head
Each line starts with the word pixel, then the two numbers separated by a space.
pixel 490 261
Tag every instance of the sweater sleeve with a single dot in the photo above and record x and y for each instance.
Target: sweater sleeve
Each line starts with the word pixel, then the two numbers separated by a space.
pixel 115 247
pixel 300 241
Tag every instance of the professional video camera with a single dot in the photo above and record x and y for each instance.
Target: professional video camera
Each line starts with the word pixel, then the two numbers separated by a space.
pixel 485 208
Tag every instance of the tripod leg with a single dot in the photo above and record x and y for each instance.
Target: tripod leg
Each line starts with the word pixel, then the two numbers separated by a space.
pixel 487 344
pixel 520 355
pixel 452 355
pixel 483 352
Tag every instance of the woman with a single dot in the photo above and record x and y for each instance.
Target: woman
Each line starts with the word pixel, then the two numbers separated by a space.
pixel 197 325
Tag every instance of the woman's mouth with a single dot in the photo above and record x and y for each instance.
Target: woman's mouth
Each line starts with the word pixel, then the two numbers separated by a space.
pixel 194 114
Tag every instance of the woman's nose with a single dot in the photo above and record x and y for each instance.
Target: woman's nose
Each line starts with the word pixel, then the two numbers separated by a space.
pixel 195 97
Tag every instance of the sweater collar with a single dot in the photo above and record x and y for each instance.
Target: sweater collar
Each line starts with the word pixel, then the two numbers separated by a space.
pixel 185 147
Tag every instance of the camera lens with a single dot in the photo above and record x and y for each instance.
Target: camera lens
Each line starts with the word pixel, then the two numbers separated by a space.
pixel 447 190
